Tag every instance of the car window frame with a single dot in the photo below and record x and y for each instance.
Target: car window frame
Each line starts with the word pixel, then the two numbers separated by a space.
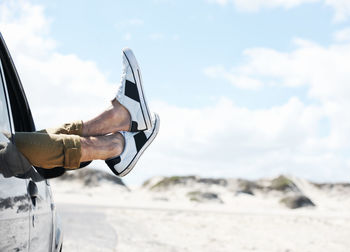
pixel 7 100
pixel 18 102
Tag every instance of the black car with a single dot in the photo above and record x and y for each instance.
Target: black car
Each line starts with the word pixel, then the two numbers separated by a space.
pixel 28 219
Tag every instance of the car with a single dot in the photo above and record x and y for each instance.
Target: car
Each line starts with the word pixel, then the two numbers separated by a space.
pixel 28 217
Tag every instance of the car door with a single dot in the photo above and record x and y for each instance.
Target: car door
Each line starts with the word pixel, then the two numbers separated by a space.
pixel 41 219
pixel 14 200
pixel 41 205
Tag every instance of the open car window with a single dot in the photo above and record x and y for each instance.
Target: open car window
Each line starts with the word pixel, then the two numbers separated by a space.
pixel 21 114
pixel 12 162
pixel 5 127
pixel 14 116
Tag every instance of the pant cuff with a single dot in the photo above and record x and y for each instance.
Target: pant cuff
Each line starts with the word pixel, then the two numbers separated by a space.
pixel 74 128
pixel 72 152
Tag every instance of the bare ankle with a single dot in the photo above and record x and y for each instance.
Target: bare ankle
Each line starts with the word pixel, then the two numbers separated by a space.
pixel 113 119
pixel 122 114
pixel 116 145
pixel 101 147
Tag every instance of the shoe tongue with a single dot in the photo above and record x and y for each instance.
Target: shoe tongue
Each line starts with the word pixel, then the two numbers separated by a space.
pixel 120 89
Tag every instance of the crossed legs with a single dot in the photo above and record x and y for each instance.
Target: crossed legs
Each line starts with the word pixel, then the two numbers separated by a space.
pixel 73 143
pixel 119 135
pixel 100 136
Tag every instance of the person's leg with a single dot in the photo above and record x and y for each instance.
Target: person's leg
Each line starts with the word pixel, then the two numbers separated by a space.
pixel 101 147
pixel 114 119
pixel 75 142
pixel 72 128
pixel 97 138
pixel 59 150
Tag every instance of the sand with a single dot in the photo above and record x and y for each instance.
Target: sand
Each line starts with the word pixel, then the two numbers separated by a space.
pixel 111 218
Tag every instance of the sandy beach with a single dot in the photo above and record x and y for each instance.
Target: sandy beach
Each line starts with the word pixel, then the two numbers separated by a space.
pixel 180 216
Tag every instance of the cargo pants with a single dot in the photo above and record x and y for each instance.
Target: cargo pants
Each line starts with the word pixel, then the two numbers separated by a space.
pixel 49 148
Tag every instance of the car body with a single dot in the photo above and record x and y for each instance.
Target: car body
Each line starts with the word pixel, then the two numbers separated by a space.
pixel 28 218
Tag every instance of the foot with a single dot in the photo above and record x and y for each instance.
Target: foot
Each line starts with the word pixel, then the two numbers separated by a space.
pixel 135 145
pixel 131 95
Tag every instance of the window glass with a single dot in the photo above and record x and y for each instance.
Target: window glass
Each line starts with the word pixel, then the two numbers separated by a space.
pixel 5 129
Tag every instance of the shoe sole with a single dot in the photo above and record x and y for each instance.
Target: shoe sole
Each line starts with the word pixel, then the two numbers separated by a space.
pixel 130 57
pixel 149 141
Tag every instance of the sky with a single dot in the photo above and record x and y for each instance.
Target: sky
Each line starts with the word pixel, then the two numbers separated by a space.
pixel 244 88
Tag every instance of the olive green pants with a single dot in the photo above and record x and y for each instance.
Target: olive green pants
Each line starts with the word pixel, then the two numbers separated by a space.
pixel 49 148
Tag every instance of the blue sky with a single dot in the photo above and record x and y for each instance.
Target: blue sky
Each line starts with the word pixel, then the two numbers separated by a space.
pixel 244 88
pixel 188 36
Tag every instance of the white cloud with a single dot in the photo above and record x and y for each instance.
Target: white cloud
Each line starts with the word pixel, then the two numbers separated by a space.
pixel 26 28
pixel 324 69
pixel 341 7
pixel 59 87
pixel 342 35
pixel 326 73
pixel 254 5
pixel 228 140
pixel 240 81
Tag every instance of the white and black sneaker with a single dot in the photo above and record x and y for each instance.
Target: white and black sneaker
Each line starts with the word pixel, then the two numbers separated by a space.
pixel 130 93
pixel 135 144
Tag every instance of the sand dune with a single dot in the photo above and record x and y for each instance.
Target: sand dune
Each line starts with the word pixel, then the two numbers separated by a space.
pixel 201 214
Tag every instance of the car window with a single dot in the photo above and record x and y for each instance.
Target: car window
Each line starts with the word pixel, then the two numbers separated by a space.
pixel 5 128
pixel 12 161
